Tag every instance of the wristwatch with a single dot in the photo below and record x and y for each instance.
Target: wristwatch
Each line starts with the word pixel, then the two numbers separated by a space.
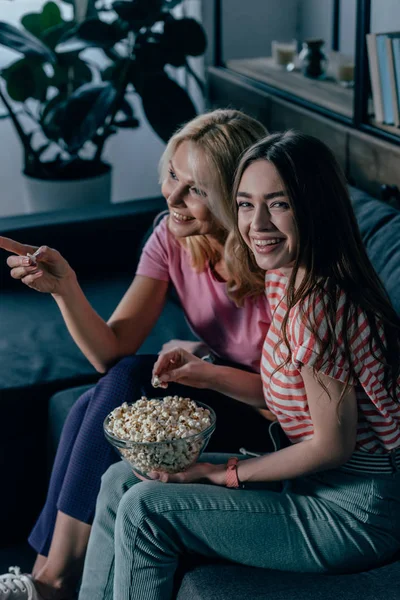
pixel 210 358
pixel 231 477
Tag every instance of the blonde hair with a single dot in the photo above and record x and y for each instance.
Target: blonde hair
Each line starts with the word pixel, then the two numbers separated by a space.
pixel 220 137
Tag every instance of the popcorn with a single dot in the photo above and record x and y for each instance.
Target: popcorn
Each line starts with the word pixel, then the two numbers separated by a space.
pixel 157 383
pixel 33 256
pixel 169 420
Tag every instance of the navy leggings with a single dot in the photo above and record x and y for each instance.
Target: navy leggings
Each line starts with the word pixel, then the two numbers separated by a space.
pixel 83 454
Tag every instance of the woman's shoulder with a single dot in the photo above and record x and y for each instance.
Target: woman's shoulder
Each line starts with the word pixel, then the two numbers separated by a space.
pixel 330 310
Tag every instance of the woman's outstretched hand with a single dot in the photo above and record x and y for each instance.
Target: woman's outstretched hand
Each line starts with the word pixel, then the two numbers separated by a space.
pixel 47 272
pixel 180 366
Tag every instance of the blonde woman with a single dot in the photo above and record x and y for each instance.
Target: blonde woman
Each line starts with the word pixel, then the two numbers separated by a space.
pixel 185 249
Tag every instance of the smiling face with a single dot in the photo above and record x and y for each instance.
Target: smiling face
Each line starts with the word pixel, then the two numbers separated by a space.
pixel 265 217
pixel 187 204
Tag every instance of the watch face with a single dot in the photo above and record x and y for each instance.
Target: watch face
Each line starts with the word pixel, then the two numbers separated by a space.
pixel 209 358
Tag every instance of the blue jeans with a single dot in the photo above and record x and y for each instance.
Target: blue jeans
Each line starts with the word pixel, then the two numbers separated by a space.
pixel 325 523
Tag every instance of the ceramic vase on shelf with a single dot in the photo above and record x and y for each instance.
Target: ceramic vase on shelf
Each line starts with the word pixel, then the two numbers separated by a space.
pixel 313 60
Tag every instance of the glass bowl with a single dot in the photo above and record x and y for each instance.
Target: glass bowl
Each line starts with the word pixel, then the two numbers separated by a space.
pixel 168 456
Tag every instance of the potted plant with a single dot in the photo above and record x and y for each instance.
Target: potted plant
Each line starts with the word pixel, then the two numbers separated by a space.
pixel 64 107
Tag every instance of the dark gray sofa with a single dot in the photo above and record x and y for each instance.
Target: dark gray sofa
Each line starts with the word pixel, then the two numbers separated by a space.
pixel 47 361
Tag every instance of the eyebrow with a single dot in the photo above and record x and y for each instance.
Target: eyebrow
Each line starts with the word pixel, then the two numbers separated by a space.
pixel 270 196
pixel 190 182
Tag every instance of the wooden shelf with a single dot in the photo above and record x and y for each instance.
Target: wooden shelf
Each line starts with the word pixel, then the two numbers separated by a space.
pixel 326 93
pixel 368 160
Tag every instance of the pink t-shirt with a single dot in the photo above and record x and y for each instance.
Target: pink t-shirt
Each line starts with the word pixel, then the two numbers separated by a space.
pixel 232 333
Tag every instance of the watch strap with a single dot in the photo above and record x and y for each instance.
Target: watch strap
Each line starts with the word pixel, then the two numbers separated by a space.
pixel 232 479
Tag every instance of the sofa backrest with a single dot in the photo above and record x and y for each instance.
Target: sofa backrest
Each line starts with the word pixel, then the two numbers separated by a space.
pixel 379 225
pixel 94 239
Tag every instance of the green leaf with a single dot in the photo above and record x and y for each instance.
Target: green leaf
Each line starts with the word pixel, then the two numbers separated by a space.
pixel 51 119
pixel 92 33
pixel 71 75
pixel 31 22
pixel 38 23
pixel 166 105
pixel 53 35
pixel 115 73
pixel 138 13
pixel 150 53
pixel 183 37
pixel 51 16
pixel 85 112
pixel 24 42
pixel 26 79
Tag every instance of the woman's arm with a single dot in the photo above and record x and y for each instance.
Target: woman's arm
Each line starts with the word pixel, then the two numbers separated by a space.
pixel 103 343
pixel 235 383
pixel 180 366
pixel 331 446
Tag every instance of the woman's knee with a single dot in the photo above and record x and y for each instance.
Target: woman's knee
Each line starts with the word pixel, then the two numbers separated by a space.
pixel 147 500
pixel 78 409
pixel 131 366
pixel 115 482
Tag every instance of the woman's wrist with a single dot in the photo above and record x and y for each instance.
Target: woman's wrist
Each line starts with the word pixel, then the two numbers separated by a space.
pixel 214 376
pixel 218 475
pixel 67 286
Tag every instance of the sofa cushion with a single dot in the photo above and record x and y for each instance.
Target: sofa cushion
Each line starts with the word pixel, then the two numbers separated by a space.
pixel 234 582
pixel 379 225
pixel 36 347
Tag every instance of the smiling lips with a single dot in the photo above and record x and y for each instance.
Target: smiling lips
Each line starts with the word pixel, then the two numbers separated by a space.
pixel 178 217
pixel 266 245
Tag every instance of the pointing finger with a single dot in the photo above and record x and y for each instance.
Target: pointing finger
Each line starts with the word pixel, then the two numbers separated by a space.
pixel 15 247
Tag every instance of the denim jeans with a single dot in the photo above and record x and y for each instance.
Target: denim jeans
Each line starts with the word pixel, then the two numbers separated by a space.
pixel 332 522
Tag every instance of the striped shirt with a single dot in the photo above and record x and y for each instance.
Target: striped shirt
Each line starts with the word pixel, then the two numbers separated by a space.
pixel 378 428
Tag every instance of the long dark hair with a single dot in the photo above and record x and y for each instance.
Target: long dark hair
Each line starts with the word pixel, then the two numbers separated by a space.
pixel 330 250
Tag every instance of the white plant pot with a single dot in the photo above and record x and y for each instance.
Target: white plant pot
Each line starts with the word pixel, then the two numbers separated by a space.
pixel 42 195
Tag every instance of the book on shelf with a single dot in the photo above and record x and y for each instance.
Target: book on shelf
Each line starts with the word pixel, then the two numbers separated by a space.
pixel 384 77
pixel 392 80
pixel 375 77
pixel 395 44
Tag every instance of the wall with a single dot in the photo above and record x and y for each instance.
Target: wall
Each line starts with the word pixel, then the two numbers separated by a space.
pixel 134 154
pixel 249 26
pixel 316 20
pixel 385 15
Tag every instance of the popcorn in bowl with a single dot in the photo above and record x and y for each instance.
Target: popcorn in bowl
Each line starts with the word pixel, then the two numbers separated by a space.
pixel 161 434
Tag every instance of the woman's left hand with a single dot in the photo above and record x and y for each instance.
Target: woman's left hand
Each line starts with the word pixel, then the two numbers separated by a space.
pixel 180 366
pixel 199 472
